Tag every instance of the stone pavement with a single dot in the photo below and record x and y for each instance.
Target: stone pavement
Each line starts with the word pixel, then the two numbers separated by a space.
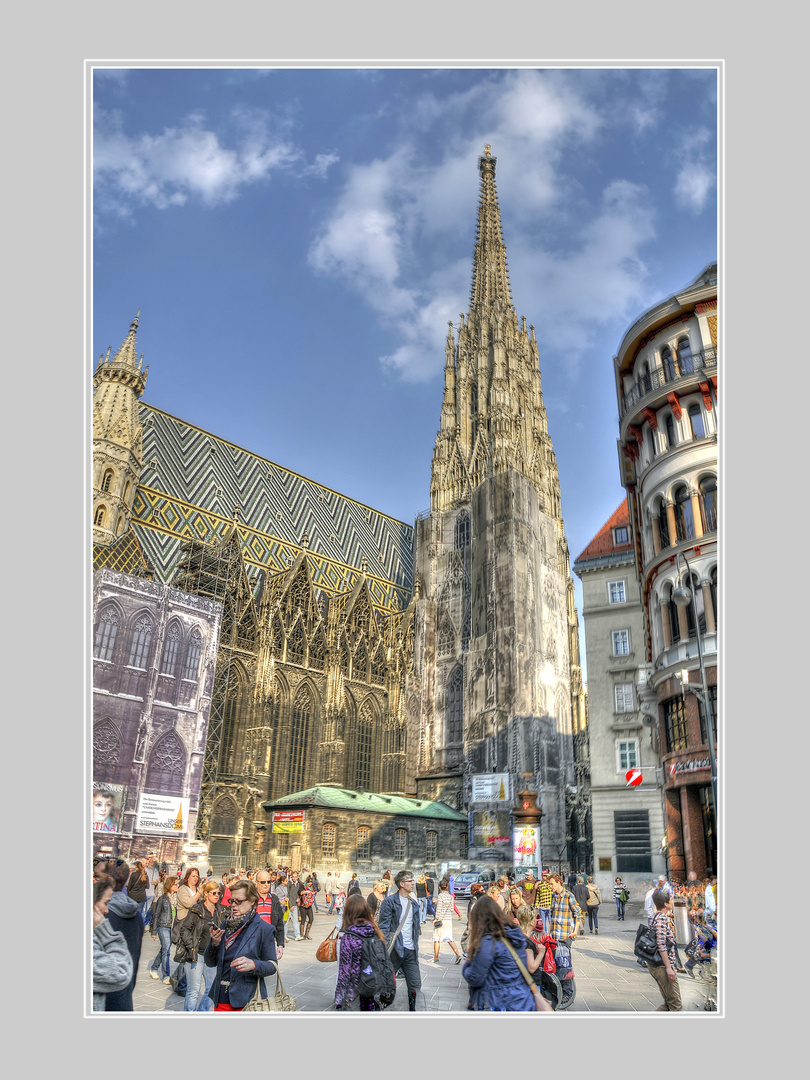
pixel 607 976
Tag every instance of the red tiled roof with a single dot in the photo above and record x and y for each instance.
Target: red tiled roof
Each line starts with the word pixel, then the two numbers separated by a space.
pixel 602 543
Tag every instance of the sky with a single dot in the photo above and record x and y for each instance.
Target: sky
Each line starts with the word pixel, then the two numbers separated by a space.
pixel 297 240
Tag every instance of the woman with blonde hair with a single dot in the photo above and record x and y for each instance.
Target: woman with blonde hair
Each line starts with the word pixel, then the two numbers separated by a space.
pixel 243 950
pixel 494 892
pixel 443 921
pixel 422 896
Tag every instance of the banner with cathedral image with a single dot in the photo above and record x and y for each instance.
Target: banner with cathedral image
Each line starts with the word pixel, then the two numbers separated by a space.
pixel 162 813
pixel 491 836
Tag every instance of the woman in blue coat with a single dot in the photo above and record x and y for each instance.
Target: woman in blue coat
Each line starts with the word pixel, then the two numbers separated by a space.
pixel 243 950
pixel 495 980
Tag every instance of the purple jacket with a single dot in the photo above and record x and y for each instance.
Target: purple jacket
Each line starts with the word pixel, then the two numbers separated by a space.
pixel 348 976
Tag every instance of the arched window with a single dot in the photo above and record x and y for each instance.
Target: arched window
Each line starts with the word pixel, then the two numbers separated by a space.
pixel 447 637
pixel 684 522
pixel 302 711
pixel 231 709
pixel 455 706
pixel 193 655
pixel 697 593
pixel 171 645
pixel 362 740
pixel 106 747
pixel 672 614
pixel 364 842
pixel 400 845
pixel 140 642
pixel 697 422
pixel 107 480
pixel 463 530
pixel 328 838
pixel 166 771
pixel 663 524
pixel 686 364
pixel 667 363
pixel 224 817
pixel 99 516
pixel 106 631
pixel 669 424
pixel 651 442
pixel 431 845
pixel 297 644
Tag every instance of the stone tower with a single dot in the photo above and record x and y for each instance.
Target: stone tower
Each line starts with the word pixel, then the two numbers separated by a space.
pixel 496 634
pixel 117 438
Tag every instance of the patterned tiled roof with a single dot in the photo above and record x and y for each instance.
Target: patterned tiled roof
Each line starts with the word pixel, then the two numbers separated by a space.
pixel 602 543
pixel 334 798
pixel 125 555
pixel 192 482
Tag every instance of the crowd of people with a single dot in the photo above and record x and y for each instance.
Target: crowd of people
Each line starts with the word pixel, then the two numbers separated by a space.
pixel 220 939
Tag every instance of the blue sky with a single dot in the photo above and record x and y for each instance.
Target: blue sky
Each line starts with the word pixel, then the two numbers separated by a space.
pixel 297 240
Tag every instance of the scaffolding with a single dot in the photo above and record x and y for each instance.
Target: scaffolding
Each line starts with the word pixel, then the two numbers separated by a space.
pixel 216 570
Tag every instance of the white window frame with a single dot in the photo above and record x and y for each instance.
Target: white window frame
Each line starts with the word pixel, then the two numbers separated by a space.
pixel 620 585
pixel 635 763
pixel 616 637
pixel 622 528
pixel 620 699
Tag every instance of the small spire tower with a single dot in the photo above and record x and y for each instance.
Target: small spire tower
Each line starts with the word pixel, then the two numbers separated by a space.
pixel 118 385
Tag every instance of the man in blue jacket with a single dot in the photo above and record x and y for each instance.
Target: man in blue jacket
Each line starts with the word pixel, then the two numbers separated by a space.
pixel 400 923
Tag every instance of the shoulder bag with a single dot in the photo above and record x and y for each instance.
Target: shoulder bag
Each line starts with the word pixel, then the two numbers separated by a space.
pixel 646 946
pixel 280 1002
pixel 540 1002
pixel 398 930
pixel 327 950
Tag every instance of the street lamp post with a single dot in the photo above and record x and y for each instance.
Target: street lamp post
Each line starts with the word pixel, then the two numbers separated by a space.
pixel 684 595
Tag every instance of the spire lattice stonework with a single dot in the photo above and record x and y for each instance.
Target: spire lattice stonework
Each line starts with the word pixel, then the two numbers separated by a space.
pixel 493 417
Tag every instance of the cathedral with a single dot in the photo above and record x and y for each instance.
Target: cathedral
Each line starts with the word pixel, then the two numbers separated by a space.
pixel 363 671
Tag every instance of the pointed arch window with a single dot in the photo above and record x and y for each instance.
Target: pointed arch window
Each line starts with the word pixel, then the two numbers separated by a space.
pixel 224 817
pixel 166 770
pixel 106 748
pixel 363 741
pixel 106 631
pixel 231 709
pixel 98 519
pixel 193 655
pixel 463 530
pixel 107 479
pixel 303 708
pixel 140 642
pixel 447 638
pixel 297 644
pixel 455 706
pixel 171 646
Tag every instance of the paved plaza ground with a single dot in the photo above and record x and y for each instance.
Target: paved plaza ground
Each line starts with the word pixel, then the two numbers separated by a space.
pixel 608 978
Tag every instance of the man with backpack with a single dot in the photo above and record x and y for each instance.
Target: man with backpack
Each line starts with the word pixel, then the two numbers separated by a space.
pixel 399 921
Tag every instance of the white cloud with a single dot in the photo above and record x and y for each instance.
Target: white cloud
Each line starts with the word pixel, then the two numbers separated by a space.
pixel 189 161
pixel 696 179
pixel 390 207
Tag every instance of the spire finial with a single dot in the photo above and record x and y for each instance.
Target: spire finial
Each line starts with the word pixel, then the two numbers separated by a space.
pixel 487 149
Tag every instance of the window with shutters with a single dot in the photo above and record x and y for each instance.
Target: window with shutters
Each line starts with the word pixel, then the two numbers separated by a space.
pixel 623 694
pixel 632 831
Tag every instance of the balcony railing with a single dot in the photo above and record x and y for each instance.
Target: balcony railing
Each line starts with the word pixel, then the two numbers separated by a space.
pixel 673 372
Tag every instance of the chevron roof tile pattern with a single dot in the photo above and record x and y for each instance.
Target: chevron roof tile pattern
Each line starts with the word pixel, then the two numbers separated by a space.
pixel 192 482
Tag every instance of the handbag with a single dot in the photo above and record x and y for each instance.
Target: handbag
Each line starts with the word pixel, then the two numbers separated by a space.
pixel 280 1002
pixel 646 946
pixel 540 1003
pixel 327 950
pixel 176 929
pixel 437 923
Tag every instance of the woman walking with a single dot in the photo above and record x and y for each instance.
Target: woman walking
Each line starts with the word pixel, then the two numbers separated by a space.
pixel 621 896
pixel 195 935
pixel 162 920
pixel 421 896
pixel 592 906
pixel 376 897
pixel 443 921
pixel 492 973
pixel 358 925
pixel 189 893
pixel 242 951
pixel 306 898
pixel 112 963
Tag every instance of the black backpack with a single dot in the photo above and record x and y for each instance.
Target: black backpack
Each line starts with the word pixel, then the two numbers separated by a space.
pixel 376 970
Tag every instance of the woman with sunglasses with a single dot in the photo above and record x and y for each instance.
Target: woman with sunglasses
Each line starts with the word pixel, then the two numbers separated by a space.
pixel 195 935
pixel 242 950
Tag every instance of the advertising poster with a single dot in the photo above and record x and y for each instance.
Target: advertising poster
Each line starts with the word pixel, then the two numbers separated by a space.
pixel 162 814
pixel 491 836
pixel 107 807
pixel 526 847
pixel 288 821
pixel 492 787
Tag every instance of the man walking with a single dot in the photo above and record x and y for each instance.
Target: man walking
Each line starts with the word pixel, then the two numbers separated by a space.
pixel 566 914
pixel 580 891
pixel 544 897
pixel 269 909
pixel 316 888
pixel 400 924
pixel 294 889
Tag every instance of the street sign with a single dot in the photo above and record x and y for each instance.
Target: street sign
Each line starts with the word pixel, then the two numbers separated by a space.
pixel 633 777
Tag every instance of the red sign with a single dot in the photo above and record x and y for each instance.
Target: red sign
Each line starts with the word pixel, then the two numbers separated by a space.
pixel 633 777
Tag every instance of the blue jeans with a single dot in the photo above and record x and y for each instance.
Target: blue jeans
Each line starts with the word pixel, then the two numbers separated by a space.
pixel 162 963
pixel 200 978
pixel 423 908
pixel 545 913
pixel 146 911
pixel 620 908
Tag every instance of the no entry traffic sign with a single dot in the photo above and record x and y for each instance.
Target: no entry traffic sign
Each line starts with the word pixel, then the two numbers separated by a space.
pixel 633 777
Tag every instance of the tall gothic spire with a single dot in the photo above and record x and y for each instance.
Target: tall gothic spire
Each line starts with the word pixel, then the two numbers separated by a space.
pixel 490 284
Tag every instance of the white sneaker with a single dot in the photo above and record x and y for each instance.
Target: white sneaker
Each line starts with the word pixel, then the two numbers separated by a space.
pixel 154 974
pixel 168 982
